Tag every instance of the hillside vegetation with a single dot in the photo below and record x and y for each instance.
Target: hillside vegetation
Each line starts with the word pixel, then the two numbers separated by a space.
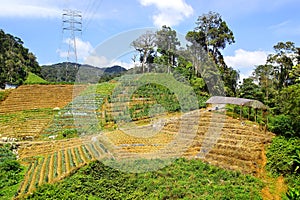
pixel 34 79
pixel 184 179
pixel 16 61
pixel 155 114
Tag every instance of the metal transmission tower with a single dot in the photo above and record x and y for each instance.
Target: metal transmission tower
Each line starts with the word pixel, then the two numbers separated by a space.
pixel 72 23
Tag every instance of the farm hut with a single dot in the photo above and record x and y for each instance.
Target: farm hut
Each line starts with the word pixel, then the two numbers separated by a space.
pixel 250 103
pixel 10 86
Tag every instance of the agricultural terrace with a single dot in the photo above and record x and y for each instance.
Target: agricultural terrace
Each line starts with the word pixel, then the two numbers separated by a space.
pixel 91 127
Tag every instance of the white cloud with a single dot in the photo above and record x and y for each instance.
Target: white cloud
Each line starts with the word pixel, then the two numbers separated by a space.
pixel 246 59
pixel 97 61
pixel 287 28
pixel 46 8
pixel 30 9
pixel 83 48
pixel 170 12
pixel 102 62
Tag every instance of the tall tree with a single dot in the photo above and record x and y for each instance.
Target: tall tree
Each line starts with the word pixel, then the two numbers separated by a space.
pixel 210 36
pixel 250 90
pixel 145 44
pixel 167 43
pixel 283 60
pixel 295 74
pixel 213 34
pixel 264 76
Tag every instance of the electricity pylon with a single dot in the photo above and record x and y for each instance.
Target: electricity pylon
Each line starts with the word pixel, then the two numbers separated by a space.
pixel 72 23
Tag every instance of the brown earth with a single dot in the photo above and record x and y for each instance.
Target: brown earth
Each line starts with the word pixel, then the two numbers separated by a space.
pixel 212 137
pixel 27 97
pixel 234 145
pixel 275 186
pixel 25 102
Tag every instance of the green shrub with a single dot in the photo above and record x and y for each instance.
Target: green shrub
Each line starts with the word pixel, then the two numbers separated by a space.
pixel 282 155
pixel 284 159
pixel 282 125
pixel 10 173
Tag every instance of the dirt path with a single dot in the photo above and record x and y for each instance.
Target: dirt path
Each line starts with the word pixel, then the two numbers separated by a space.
pixel 275 187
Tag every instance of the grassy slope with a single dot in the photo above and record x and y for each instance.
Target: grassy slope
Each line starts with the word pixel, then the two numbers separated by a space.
pixel 188 179
pixel 34 79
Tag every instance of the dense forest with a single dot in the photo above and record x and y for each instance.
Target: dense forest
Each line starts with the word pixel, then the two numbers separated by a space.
pixel 16 61
pixel 276 84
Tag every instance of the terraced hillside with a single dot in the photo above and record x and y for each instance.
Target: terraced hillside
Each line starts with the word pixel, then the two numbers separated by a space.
pixel 149 131
pixel 29 97
pixel 49 162
pixel 28 109
pixel 233 146
pixel 219 140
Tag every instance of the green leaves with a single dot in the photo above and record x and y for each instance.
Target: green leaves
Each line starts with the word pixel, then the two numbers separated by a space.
pixel 282 125
pixel 250 90
pixel 183 179
pixel 293 194
pixel 284 159
pixel 10 174
pixel 288 105
pixel 15 60
pixel 283 155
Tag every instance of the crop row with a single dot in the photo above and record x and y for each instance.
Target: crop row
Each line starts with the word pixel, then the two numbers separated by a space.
pixel 53 167
pixel 81 115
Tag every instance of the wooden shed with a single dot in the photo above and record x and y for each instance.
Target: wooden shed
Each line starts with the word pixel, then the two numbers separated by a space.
pixel 250 103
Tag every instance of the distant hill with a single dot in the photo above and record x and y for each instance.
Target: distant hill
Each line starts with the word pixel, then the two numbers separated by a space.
pixel 72 72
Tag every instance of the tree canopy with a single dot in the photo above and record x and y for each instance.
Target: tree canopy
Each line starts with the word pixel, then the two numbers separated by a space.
pixel 213 34
pixel 15 60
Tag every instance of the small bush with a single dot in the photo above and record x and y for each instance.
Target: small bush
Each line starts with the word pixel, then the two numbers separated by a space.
pixel 284 159
pixel 10 172
pixel 282 125
pixel 282 155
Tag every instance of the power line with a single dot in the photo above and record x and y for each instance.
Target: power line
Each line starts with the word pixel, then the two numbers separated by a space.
pixel 92 11
pixel 72 23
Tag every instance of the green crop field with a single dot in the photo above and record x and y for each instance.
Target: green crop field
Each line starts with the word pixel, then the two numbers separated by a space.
pixel 183 179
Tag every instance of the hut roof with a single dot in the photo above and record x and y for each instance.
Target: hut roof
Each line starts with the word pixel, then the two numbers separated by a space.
pixel 237 101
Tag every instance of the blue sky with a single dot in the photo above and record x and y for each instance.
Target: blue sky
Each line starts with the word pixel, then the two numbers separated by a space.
pixel 257 24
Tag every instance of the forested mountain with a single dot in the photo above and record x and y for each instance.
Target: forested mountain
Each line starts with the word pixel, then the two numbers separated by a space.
pixel 16 61
pixel 72 72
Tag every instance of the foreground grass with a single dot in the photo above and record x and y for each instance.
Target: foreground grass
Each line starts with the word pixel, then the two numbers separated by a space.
pixel 183 179
pixel 284 160
pixel 11 173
